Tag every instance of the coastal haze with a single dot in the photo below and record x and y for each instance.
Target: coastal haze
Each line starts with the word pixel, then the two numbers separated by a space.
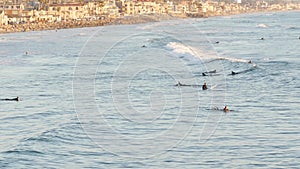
pixel 106 97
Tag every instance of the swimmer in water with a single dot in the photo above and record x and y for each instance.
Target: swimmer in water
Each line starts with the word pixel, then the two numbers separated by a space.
pixel 204 86
pixel 226 109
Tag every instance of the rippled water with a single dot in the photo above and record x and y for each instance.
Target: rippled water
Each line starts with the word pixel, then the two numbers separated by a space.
pixel 106 97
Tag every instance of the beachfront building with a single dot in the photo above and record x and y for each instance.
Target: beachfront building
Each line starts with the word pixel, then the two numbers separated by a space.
pixel 140 7
pixel 110 9
pixel 47 11
pixel 67 12
pixel 128 8
pixel 95 8
pixel 3 18
pixel 172 8
pixel 13 12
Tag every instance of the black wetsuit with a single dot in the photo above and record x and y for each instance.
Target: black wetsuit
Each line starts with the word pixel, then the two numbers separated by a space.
pixel 234 73
pixel 14 99
pixel 204 87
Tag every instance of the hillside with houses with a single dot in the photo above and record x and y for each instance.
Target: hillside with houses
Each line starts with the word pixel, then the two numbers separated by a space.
pixel 28 15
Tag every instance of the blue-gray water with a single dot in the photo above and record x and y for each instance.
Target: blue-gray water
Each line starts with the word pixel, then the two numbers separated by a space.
pixel 96 98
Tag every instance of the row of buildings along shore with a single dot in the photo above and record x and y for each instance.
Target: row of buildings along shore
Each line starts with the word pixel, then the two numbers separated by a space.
pixel 26 15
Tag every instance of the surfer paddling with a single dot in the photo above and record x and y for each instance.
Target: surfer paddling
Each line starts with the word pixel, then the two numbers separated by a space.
pixel 225 109
pixel 13 99
pixel 234 73
pixel 179 84
pixel 209 73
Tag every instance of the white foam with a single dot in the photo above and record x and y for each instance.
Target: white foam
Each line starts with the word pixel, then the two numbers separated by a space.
pixel 188 51
pixel 196 53
pixel 234 59
pixel 262 25
pixel 180 48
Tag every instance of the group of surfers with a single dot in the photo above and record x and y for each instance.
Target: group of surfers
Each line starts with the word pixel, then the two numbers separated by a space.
pixel 204 87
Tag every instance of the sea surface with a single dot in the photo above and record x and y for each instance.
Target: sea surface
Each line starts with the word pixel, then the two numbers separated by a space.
pixel 106 97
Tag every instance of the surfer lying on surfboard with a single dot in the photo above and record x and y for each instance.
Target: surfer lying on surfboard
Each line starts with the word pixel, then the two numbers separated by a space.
pixel 225 109
pixel 180 84
pixel 14 99
pixel 204 86
pixel 209 73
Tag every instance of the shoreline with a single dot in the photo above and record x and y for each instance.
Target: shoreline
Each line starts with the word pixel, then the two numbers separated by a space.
pixel 41 26
pixel 136 19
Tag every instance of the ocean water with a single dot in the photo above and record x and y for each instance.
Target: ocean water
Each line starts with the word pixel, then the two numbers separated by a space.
pixel 106 97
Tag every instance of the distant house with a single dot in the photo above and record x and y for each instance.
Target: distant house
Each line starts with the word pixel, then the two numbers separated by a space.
pixel 3 18
pixel 13 13
pixel 71 11
pixel 110 9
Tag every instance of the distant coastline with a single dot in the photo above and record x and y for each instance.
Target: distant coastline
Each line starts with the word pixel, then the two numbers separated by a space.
pixel 40 26
pixel 135 19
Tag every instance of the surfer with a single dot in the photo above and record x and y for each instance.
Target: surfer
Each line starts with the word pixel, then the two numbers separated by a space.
pixel 14 99
pixel 262 38
pixel 209 73
pixel 217 42
pixel 226 109
pixel 178 84
pixel 250 61
pixel 204 86
pixel 143 46
pixel 234 73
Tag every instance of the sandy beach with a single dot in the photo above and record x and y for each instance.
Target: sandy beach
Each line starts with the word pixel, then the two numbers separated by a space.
pixel 136 19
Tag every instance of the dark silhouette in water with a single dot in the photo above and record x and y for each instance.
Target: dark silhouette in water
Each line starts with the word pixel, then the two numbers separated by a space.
pixel 244 71
pixel 204 86
pixel 262 38
pixel 178 84
pixel 14 99
pixel 225 109
pixel 234 73
pixel 143 46
pixel 209 73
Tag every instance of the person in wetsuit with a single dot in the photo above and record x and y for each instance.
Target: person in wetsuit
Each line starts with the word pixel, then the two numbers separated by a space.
pixel 234 73
pixel 178 84
pixel 204 86
pixel 14 99
pixel 226 109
